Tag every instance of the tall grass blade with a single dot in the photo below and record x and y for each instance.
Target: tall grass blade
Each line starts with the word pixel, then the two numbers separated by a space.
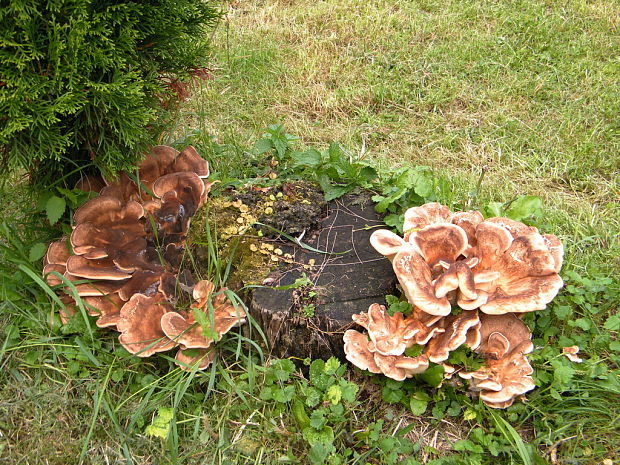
pixel 98 400
pixel 512 436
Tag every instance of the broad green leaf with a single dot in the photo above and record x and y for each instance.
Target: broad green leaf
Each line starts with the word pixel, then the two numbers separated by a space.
pixel 37 251
pixel 562 374
pixel 582 323
pixel 563 311
pixel 612 323
pixel 417 406
pixel 316 368
pixel 282 369
pixel 414 351
pixel 318 377
pixel 331 366
pixel 70 195
pixel 367 174
pixel 323 381
pixel 313 396
pixel 334 394
pixel 337 157
pixel 117 375
pixel 319 452
pixel 391 396
pixel 324 436
pixel 333 192
pixel 311 158
pixel 266 393
pixel 469 414
pixel 349 390
pixel 439 410
pixel 402 306
pixel 280 146
pixel 395 221
pixel 160 427
pixel 495 449
pixel 433 375
pixel 42 200
pixel 454 409
pixel 317 419
pixel 466 445
pixel 494 209
pixel 424 185
pixel 54 208
pixel 393 384
pixel 262 145
pixel 336 410
pixel 299 412
pixel 284 395
pixel 524 207
pixel 384 202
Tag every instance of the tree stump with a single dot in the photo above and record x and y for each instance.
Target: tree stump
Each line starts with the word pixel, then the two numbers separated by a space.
pixel 347 279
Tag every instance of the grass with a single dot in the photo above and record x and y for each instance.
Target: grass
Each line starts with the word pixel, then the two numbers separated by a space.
pixel 524 93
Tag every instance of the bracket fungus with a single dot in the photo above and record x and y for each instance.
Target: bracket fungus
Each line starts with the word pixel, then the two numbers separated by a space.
pixel 494 270
pixel 382 350
pixel 126 249
pixel 571 354
pixel 182 327
pixel 363 354
pixel 455 333
pixel 497 265
pixel 504 341
pixel 140 325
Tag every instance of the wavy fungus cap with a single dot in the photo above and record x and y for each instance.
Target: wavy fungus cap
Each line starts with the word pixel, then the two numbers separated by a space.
pixel 456 329
pixel 524 267
pixel 417 218
pixel 123 265
pixel 391 335
pixel 498 265
pixel 492 269
pixel 190 160
pixel 198 359
pixel 183 328
pixel 140 325
pixel 504 341
pixel 361 352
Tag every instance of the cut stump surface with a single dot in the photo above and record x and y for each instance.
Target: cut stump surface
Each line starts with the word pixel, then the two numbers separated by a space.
pixel 347 279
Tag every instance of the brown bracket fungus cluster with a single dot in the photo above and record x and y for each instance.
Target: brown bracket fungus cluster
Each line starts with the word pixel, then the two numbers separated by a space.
pixel 123 255
pixel 468 280
pixel 503 341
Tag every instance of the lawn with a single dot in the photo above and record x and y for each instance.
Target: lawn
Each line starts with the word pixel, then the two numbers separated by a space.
pixel 499 99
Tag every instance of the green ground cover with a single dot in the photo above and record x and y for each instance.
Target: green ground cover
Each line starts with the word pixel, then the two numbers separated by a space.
pixel 499 99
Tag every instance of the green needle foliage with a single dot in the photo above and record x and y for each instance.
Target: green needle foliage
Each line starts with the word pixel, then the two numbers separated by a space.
pixel 92 81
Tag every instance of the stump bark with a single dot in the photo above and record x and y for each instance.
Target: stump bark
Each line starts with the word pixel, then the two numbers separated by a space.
pixel 347 279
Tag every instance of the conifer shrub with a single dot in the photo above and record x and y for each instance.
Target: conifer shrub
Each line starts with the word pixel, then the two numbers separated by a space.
pixel 89 81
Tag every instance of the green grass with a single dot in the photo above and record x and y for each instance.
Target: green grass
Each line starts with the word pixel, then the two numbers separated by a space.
pixel 525 92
